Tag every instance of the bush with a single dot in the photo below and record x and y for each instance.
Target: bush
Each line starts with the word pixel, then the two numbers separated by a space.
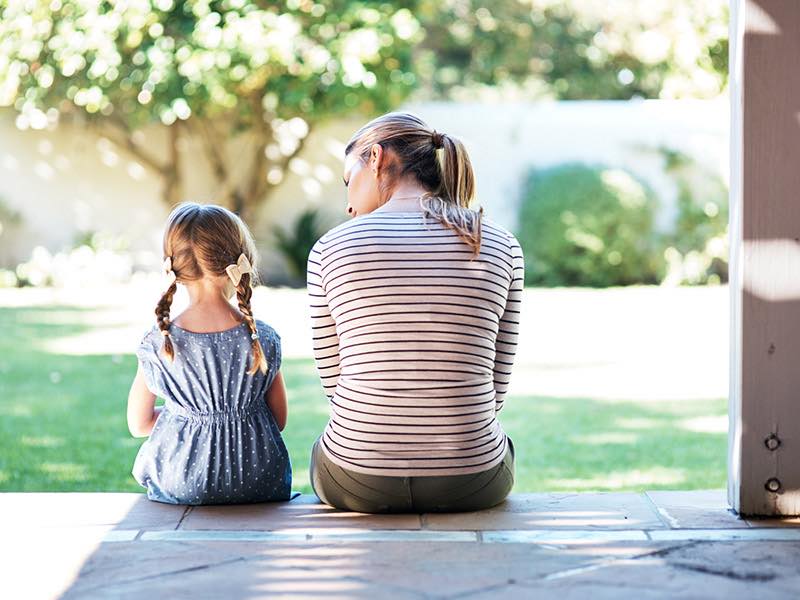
pixel 95 259
pixel 295 245
pixel 588 225
pixel 697 247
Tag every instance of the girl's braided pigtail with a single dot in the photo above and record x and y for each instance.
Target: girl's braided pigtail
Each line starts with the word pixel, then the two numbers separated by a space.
pixel 244 291
pixel 162 319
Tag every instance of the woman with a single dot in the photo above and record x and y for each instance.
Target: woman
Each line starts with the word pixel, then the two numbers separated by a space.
pixel 415 306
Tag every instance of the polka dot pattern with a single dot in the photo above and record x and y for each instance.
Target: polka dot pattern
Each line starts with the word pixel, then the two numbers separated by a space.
pixel 216 441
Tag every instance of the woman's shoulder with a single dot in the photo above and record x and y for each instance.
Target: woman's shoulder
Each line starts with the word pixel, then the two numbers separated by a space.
pixel 490 226
pixel 337 229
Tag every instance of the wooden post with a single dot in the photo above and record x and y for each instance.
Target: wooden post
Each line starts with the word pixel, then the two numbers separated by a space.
pixel 764 400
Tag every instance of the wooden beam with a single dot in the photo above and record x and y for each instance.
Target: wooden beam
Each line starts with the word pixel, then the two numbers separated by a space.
pixel 764 403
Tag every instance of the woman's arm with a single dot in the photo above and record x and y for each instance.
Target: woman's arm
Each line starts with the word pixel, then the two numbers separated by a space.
pixel 508 332
pixel 142 412
pixel 276 400
pixel 323 327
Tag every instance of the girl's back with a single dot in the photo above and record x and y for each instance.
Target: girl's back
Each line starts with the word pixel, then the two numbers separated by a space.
pixel 216 433
pixel 209 372
pixel 217 438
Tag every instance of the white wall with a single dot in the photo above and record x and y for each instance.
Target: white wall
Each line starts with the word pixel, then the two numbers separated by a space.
pixel 67 180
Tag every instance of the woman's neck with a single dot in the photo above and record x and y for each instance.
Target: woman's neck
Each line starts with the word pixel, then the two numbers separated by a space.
pixel 405 197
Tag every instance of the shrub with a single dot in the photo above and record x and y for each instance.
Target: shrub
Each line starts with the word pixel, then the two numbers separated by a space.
pixel 295 245
pixel 588 225
pixel 697 247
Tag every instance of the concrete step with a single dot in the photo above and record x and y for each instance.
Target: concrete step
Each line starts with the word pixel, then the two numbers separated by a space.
pixel 120 545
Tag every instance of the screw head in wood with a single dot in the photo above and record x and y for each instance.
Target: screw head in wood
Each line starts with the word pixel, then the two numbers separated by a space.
pixel 773 484
pixel 772 442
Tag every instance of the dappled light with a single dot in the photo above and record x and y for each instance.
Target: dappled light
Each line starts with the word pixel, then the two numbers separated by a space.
pixel 42 441
pixel 709 424
pixel 65 473
pixel 612 437
pixel 774 257
pixel 654 478
pixel 629 322
pixel 78 353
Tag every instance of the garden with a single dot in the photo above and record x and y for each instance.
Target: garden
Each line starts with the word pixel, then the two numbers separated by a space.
pixel 245 89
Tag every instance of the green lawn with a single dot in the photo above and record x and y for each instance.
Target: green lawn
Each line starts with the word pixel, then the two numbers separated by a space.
pixel 62 424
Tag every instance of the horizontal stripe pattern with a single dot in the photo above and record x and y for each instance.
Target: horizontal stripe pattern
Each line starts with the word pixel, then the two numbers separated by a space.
pixel 414 343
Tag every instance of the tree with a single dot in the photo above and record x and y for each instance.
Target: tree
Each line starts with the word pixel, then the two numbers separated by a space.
pixel 575 50
pixel 268 73
pixel 210 69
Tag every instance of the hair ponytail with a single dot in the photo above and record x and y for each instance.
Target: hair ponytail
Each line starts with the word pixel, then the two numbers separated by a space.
pixel 244 292
pixel 162 319
pixel 450 203
pixel 438 161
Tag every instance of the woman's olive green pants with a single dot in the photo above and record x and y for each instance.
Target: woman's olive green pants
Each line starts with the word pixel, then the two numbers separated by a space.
pixel 349 490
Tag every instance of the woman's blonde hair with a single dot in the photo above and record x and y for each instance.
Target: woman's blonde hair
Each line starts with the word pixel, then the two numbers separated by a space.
pixel 447 175
pixel 202 240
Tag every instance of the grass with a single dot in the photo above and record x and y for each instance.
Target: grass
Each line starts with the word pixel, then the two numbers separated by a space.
pixel 62 424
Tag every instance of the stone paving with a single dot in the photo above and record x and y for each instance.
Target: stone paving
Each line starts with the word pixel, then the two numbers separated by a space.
pixel 661 544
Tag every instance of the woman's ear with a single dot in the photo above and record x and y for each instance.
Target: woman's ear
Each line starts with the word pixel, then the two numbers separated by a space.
pixel 375 157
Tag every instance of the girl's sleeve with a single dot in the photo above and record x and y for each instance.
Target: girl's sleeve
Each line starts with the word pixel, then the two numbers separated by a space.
pixel 276 350
pixel 271 344
pixel 147 353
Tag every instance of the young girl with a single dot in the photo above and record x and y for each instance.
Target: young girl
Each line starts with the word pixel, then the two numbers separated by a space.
pixel 217 438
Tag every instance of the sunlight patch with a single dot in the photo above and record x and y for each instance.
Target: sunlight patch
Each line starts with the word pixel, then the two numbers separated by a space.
pixel 15 410
pixel 65 471
pixel 622 479
pixel 106 340
pixel 707 424
pixel 45 441
pixel 608 437
pixel 638 423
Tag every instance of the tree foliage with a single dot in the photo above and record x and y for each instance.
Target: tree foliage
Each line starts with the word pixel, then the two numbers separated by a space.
pixel 213 69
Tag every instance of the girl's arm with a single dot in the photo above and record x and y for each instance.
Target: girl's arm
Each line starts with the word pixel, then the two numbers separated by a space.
pixel 142 412
pixel 276 400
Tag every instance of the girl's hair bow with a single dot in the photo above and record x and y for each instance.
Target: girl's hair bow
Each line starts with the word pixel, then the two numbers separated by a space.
pixel 239 268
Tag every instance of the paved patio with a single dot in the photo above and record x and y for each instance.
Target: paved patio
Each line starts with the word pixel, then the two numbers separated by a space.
pixel 660 544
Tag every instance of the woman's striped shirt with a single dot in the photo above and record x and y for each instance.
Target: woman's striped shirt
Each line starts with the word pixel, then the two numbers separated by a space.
pixel 414 342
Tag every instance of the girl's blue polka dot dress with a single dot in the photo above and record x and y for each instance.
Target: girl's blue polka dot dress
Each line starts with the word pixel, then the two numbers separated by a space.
pixel 216 441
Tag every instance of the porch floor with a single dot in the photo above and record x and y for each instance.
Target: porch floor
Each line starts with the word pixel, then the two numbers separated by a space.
pixel 565 545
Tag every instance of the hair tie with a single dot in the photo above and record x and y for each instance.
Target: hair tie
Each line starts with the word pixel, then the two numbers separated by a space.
pixel 239 268
pixel 168 272
pixel 437 139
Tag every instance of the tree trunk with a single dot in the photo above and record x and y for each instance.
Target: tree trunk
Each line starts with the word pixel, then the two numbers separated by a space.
pixel 244 196
pixel 172 187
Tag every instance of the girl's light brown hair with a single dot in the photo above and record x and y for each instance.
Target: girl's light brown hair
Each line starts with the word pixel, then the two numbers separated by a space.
pixel 438 161
pixel 202 240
